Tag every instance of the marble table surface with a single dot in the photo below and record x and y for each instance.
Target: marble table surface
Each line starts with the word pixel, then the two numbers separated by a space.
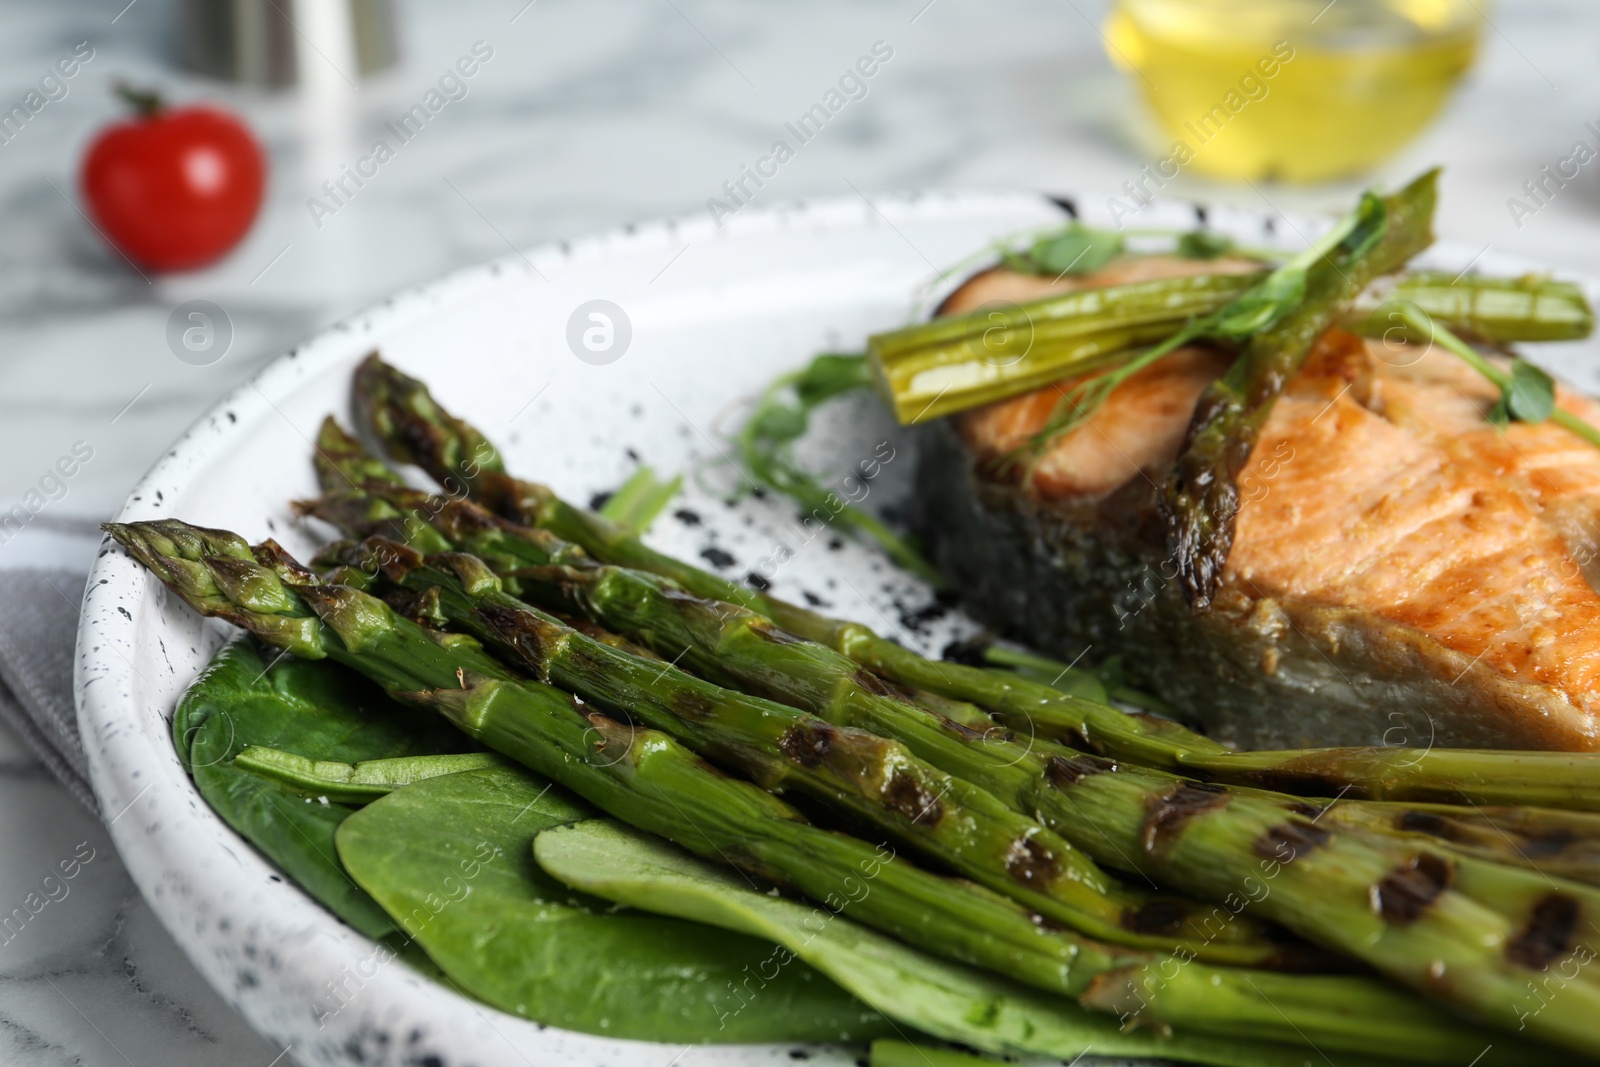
pixel 587 116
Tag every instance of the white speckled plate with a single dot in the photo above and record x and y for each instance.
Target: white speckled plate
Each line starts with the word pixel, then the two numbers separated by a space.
pixel 714 314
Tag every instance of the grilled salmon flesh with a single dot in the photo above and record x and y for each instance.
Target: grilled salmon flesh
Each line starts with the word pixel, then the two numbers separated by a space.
pixel 1402 572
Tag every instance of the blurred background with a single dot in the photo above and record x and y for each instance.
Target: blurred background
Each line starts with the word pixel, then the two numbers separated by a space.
pixel 542 120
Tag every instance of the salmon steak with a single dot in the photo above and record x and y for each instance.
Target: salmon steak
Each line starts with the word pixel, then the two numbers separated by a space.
pixel 1403 572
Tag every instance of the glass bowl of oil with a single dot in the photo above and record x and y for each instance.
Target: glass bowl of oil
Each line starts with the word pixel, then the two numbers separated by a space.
pixel 1297 90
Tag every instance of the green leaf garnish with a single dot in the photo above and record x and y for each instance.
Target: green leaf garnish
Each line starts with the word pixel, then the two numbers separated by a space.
pixel 829 375
pixel 1531 395
pixel 779 422
pixel 1077 250
pixel 1258 308
pixel 1527 393
pixel 766 451
pixel 1204 244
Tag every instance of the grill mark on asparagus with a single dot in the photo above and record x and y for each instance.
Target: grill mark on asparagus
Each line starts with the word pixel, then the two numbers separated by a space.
pixel 421 608
pixel 1542 845
pixel 417 436
pixel 963 731
pixel 606 637
pixel 1157 918
pixel 1301 958
pixel 866 681
pixel 1406 893
pixel 1548 934
pixel 1169 812
pixel 1288 780
pixel 1078 737
pixel 395 559
pixel 906 795
pixel 764 629
pixel 1426 822
pixel 1032 864
pixel 809 742
pixel 877 686
pixel 613 740
pixel 522 631
pixel 1290 839
pixel 503 495
pixel 1067 771
pixel 691 706
pixel 461 519
pixel 1548 844
pixel 691 602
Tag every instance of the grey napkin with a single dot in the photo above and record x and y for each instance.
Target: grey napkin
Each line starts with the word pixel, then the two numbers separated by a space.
pixel 38 628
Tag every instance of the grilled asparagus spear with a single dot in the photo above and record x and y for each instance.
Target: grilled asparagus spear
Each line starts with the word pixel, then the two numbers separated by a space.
pixel 919 808
pixel 932 369
pixel 1201 496
pixel 646 779
pixel 405 417
pixel 1114 816
pixel 1032 709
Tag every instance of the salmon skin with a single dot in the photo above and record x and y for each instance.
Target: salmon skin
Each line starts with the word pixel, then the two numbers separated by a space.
pixel 1403 573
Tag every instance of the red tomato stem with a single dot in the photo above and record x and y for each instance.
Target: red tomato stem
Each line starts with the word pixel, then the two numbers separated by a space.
pixel 147 103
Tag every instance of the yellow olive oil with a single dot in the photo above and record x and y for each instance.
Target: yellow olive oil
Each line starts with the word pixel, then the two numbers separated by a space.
pixel 1299 90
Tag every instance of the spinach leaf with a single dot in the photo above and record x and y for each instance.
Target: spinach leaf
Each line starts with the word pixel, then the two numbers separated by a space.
pixel 314 709
pixel 358 783
pixel 947 1000
pixel 451 859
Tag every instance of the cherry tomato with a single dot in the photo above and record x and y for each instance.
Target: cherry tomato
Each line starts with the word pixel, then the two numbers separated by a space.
pixel 174 188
